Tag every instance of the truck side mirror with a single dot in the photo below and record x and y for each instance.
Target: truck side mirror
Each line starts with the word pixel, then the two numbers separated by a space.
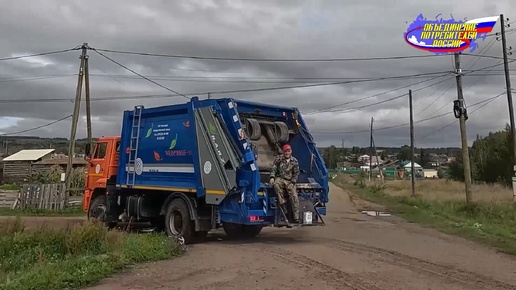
pixel 87 150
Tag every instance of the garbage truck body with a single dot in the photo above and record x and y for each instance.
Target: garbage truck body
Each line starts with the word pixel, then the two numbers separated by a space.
pixel 193 167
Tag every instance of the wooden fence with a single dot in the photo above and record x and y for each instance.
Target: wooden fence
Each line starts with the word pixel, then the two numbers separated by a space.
pixel 8 198
pixel 42 196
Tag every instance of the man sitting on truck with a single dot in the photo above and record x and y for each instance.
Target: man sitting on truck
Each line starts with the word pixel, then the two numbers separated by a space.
pixel 284 174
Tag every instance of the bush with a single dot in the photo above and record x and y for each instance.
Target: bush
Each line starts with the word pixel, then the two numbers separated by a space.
pixel 73 257
pixel 54 176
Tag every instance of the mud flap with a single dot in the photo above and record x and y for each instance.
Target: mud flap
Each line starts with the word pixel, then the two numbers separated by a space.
pixel 218 160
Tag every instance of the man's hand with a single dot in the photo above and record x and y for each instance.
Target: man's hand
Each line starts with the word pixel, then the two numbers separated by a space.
pixel 290 185
pixel 271 181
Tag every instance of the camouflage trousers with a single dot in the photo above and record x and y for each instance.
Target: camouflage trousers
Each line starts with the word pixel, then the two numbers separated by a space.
pixel 280 186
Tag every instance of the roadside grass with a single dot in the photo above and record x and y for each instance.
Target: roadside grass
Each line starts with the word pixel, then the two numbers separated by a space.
pixel 490 219
pixel 10 186
pixel 73 211
pixel 73 257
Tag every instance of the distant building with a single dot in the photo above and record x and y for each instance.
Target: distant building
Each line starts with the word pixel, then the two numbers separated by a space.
pixel 21 165
pixel 18 166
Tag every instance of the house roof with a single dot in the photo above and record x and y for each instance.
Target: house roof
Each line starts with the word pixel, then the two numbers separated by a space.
pixel 28 155
pixel 62 161
pixel 409 164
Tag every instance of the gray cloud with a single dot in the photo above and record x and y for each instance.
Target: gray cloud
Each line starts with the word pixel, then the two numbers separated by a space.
pixel 244 29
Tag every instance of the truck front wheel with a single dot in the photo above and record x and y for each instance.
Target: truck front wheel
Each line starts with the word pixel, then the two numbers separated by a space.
pixel 178 222
pixel 97 211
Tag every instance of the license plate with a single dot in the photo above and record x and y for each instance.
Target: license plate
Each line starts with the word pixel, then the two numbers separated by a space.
pixel 308 217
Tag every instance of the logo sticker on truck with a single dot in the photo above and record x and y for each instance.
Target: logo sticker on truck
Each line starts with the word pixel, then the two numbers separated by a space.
pixel 213 131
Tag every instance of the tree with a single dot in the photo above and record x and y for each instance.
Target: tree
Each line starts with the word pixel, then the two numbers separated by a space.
pixel 491 158
pixel 383 155
pixel 404 153
pixel 423 158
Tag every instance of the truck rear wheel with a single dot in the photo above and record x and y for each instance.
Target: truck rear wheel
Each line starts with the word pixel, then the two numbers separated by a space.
pixel 178 222
pixel 239 231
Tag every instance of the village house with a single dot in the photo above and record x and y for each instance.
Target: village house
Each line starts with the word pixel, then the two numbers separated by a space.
pixel 364 159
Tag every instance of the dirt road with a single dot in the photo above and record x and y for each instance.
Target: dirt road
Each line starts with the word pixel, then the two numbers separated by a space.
pixel 353 251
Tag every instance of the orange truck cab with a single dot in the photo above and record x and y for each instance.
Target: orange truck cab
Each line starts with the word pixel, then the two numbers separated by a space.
pixel 102 165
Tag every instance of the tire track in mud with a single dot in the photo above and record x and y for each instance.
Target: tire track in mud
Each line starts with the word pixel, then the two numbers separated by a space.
pixel 447 273
pixel 319 271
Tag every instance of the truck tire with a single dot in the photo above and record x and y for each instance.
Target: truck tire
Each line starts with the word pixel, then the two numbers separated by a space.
pixel 253 129
pixel 282 134
pixel 178 222
pixel 238 231
pixel 97 211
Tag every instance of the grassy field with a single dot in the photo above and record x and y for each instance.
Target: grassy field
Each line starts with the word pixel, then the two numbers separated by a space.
pixel 74 257
pixel 491 219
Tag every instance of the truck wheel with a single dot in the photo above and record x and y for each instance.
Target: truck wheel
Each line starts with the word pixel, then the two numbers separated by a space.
pixel 97 211
pixel 251 231
pixel 233 231
pixel 178 222
pixel 238 231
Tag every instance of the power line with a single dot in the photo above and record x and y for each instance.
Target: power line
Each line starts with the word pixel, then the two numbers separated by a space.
pixel 37 54
pixel 263 59
pixel 481 53
pixel 407 124
pixel 223 92
pixel 373 96
pixel 34 78
pixel 448 125
pixel 35 128
pixel 325 109
pixel 123 66
pixel 376 103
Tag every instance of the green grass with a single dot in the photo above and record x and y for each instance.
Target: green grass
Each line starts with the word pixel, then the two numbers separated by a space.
pixel 75 211
pixel 492 224
pixel 8 186
pixel 73 257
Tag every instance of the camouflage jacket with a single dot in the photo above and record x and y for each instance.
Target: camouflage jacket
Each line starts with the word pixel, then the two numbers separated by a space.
pixel 286 170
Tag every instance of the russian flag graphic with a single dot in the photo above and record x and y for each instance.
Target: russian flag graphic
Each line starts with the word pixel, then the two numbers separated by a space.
pixel 485 24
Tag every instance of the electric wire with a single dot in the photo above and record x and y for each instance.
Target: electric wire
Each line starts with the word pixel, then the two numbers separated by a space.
pixel 144 77
pixel 263 59
pixel 481 53
pixel 221 92
pixel 376 103
pixel 369 97
pixel 454 122
pixel 37 54
pixel 38 127
pixel 407 124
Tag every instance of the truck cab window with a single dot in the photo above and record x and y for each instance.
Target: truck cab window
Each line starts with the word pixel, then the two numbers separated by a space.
pixel 100 151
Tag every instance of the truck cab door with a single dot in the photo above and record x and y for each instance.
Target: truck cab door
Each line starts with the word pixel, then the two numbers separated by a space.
pixel 98 164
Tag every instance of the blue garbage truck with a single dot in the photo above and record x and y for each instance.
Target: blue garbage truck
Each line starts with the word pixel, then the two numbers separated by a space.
pixel 194 167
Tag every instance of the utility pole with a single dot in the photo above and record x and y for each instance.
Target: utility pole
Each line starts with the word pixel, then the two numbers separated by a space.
pixel 88 104
pixel 75 119
pixel 380 172
pixel 6 145
pixel 462 115
pixel 412 153
pixel 509 101
pixel 371 152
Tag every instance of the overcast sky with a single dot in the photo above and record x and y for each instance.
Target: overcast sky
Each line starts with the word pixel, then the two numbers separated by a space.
pixel 245 29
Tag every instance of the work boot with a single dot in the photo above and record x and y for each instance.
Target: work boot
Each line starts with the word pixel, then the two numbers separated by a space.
pixel 295 217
